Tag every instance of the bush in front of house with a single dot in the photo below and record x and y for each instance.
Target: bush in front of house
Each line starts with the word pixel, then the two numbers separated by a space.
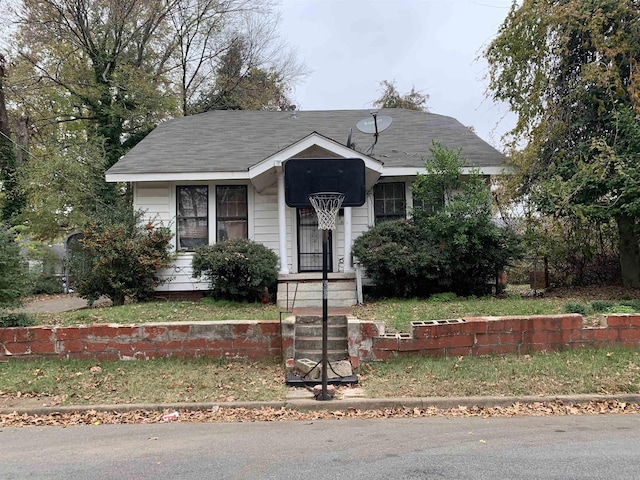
pixel 451 244
pixel 119 256
pixel 238 269
pixel 400 259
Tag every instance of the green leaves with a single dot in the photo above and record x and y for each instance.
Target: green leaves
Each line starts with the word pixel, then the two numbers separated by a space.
pixel 237 269
pixel 568 68
pixel 455 248
pixel 13 276
pixel 120 256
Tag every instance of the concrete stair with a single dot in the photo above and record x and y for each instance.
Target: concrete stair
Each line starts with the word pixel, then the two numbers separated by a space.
pixel 308 338
pixel 308 293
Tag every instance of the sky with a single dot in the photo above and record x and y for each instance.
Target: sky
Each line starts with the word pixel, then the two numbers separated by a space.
pixel 350 46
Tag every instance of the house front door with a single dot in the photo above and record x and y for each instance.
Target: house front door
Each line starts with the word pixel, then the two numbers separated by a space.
pixel 310 242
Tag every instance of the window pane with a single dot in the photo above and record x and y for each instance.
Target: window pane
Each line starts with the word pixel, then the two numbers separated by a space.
pixel 230 229
pixel 231 208
pixel 389 201
pixel 192 217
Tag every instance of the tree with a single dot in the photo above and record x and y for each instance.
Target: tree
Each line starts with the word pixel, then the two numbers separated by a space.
pixel 120 256
pixel 96 77
pixel 391 98
pixel 240 86
pixel 13 198
pixel 569 69
pixel 13 275
pixel 230 56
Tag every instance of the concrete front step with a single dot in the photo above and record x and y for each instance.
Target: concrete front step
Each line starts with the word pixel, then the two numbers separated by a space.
pixel 308 293
pixel 316 331
pixel 315 343
pixel 316 355
pixel 308 337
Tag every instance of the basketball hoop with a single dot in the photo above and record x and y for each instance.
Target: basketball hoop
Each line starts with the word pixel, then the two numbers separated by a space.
pixel 326 205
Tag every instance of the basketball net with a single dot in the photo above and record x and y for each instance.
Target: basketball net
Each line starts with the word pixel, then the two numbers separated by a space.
pixel 326 205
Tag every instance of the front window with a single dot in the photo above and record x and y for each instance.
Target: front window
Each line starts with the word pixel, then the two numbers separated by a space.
pixel 193 217
pixel 389 202
pixel 231 212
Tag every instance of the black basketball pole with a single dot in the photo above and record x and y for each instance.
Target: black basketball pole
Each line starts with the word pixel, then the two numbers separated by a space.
pixel 325 315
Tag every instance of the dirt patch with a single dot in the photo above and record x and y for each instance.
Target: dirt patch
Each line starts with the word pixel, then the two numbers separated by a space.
pixel 594 292
pixel 23 401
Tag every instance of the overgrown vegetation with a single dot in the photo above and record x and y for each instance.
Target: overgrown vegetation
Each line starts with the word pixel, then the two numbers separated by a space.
pixel 567 69
pixel 237 269
pixel 452 245
pixel 13 276
pixel 119 257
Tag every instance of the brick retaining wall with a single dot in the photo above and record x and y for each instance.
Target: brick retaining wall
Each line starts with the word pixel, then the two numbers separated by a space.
pixel 367 340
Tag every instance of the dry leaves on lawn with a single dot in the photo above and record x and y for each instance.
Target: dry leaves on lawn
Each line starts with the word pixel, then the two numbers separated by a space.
pixel 230 415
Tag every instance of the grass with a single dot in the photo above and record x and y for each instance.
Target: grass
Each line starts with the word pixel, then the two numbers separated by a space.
pixel 76 382
pixel 204 310
pixel 579 371
pixel 79 382
pixel 398 314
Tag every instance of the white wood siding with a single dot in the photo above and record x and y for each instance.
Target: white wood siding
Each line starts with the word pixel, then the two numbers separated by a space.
pixel 154 199
pixel 265 217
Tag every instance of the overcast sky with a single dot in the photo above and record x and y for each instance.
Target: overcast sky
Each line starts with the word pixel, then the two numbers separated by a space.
pixel 350 46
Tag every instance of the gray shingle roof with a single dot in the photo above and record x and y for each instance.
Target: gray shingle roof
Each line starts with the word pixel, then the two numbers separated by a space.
pixel 234 140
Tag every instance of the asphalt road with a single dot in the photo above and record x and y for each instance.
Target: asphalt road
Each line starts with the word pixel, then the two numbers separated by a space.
pixel 571 447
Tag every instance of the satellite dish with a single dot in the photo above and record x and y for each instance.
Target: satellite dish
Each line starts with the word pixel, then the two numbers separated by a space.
pixel 374 125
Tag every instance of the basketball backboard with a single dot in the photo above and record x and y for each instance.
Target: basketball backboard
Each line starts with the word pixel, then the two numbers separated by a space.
pixel 304 176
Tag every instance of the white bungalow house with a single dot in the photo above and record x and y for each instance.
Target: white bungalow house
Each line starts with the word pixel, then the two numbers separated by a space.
pixel 220 175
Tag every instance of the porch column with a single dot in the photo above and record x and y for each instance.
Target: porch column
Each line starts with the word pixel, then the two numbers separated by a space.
pixel 348 240
pixel 282 223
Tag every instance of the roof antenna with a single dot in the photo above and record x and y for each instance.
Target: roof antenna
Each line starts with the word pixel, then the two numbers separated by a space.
pixel 375 127
pixel 350 144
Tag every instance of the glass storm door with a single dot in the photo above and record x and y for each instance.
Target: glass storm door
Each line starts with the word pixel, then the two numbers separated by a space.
pixel 310 242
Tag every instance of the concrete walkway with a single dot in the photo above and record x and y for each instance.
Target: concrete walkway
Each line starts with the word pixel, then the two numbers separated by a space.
pixel 61 303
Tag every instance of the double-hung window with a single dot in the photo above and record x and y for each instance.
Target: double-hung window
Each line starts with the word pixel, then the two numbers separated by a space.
pixel 389 201
pixel 231 212
pixel 192 216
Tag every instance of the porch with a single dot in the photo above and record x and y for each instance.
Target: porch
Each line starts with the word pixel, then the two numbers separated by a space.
pixel 304 290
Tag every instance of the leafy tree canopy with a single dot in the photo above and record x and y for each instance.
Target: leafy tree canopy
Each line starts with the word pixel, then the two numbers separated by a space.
pixel 96 77
pixel 569 69
pixel 391 98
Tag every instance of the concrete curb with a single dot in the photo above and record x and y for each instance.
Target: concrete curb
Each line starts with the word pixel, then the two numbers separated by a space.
pixel 304 404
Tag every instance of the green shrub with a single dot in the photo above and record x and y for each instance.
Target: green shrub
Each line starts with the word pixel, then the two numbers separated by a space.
pixel 13 274
pixel 16 320
pixel 443 297
pixel 399 259
pixel 47 284
pixel 600 306
pixel 634 304
pixel 119 256
pixel 572 307
pixel 238 269
pixel 453 247
pixel 622 309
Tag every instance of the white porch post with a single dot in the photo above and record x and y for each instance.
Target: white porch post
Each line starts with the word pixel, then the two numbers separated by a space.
pixel 282 222
pixel 348 240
